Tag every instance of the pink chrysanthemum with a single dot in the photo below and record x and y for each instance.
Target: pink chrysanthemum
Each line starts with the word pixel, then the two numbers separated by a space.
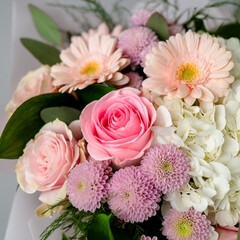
pixel 87 186
pixel 140 18
pixel 168 166
pixel 146 51
pixel 134 40
pixel 133 196
pixel 143 237
pixel 189 66
pixel 84 63
pixel 105 164
pixel 102 29
pixel 135 80
pixel 190 225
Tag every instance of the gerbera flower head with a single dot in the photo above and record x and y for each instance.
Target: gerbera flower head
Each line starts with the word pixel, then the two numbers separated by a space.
pixel 190 225
pixel 133 196
pixel 134 40
pixel 168 166
pixel 140 18
pixel 87 186
pixel 84 63
pixel 189 66
pixel 102 29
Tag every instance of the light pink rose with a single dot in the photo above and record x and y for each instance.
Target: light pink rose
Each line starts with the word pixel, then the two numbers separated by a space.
pixel 47 160
pixel 34 83
pixel 118 126
pixel 227 233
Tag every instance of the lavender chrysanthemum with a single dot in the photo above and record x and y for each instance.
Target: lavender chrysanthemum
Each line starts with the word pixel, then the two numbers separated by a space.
pixel 168 166
pixel 190 225
pixel 140 18
pixel 105 164
pixel 87 186
pixel 134 40
pixel 133 196
pixel 135 80
pixel 143 237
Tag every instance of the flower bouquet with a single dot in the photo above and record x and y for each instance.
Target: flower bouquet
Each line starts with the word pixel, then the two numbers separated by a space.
pixel 131 133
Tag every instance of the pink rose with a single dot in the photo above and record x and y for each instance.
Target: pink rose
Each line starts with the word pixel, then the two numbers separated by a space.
pixel 34 83
pixel 227 233
pixel 47 160
pixel 118 126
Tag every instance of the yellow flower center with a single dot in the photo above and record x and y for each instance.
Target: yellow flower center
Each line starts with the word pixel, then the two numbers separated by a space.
pixel 80 186
pixel 184 228
pixel 167 166
pixel 187 72
pixel 90 68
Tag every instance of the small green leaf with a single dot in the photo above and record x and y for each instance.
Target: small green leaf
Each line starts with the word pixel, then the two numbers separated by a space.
pixel 65 114
pixel 64 237
pixel 45 26
pixel 100 228
pixel 93 92
pixel 228 30
pixel 158 24
pixel 45 53
pixel 26 121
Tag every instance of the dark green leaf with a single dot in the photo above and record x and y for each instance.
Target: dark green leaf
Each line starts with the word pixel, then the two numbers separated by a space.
pixel 100 228
pixel 45 53
pixel 65 114
pixel 46 26
pixel 199 25
pixel 64 237
pixel 93 92
pixel 238 234
pixel 26 122
pixel 228 30
pixel 158 24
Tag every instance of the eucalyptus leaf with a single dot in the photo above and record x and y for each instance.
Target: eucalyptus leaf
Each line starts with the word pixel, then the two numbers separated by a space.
pixel 158 25
pixel 64 237
pixel 65 114
pixel 228 30
pixel 26 121
pixel 45 53
pixel 100 228
pixel 45 26
pixel 93 92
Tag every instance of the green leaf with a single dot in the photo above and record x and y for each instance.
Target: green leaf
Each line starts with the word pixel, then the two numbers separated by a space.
pixel 26 121
pixel 158 24
pixel 45 53
pixel 228 30
pixel 45 26
pixel 238 234
pixel 65 114
pixel 93 92
pixel 100 228
pixel 64 237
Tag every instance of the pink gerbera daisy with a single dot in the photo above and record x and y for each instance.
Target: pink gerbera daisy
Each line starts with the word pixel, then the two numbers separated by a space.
pixel 133 196
pixel 189 66
pixel 190 225
pixel 102 29
pixel 86 186
pixel 168 166
pixel 84 63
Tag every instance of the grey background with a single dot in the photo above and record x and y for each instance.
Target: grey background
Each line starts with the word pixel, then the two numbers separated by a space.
pixel 8 181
